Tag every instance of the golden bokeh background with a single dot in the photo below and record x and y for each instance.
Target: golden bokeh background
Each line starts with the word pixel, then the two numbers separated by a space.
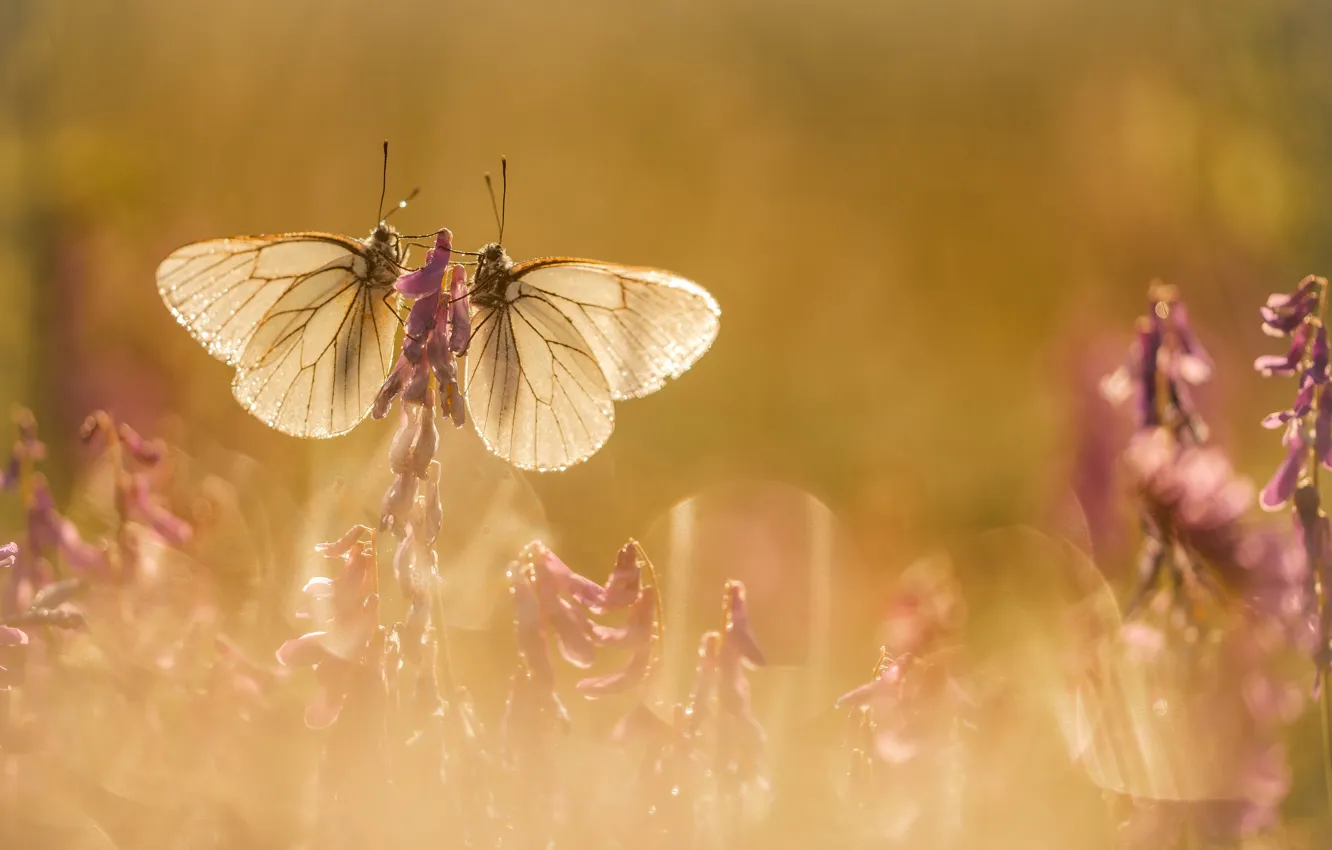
pixel 927 224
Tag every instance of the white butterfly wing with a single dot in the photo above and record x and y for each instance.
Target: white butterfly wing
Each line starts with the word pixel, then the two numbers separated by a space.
pixel 311 338
pixel 221 288
pixel 642 325
pixel 535 391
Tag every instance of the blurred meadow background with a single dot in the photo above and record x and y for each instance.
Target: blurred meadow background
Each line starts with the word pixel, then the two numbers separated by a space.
pixel 930 227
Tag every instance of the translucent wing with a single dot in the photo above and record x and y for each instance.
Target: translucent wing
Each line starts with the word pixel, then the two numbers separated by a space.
pixel 642 325
pixel 310 337
pixel 220 289
pixel 320 353
pixel 535 391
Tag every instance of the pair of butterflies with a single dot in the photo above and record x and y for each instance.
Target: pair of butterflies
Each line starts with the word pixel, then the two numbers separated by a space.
pixel 306 320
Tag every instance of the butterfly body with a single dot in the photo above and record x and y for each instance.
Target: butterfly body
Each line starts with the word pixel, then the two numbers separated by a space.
pixel 493 284
pixel 384 255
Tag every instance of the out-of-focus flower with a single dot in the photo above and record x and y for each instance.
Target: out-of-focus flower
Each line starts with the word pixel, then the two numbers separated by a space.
pixel 926 609
pixel 703 692
pixel 8 555
pixel 132 458
pixel 346 613
pixel 1308 421
pixel 622 586
pixel 1165 361
pixel 561 612
pixel 1205 753
pixel 13 654
pixel 27 450
pixel 1195 504
pixel 538 677
pixel 48 530
pixel 638 635
pixel 560 579
pixel 741 735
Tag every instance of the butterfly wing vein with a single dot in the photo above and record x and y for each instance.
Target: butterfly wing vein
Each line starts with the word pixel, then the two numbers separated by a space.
pixel 311 338
pixel 545 369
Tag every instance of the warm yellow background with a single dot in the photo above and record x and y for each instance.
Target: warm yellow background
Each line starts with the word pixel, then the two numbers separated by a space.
pixel 918 218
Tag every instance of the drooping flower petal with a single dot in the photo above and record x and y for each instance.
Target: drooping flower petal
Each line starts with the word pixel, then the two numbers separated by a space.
pixel 144 451
pixel 335 679
pixel 427 437
pixel 638 627
pixel 434 509
pixel 144 506
pixel 527 623
pixel 561 577
pixel 738 637
pixel 623 583
pixel 391 388
pixel 460 311
pixel 621 680
pixel 420 327
pixel 1281 487
pixel 429 278
pixel 1323 429
pixel 1284 312
pixel 1318 354
pixel 397 501
pixel 703 691
pixel 1193 364
pixel 304 651
pixel 1147 351
pixel 1272 365
pixel 343 545
pixel 400 446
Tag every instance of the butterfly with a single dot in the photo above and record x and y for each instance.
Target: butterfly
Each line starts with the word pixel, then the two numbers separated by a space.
pixel 556 341
pixel 305 319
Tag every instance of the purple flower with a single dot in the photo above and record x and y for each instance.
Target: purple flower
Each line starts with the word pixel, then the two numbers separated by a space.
pixel 538 677
pixel 1308 421
pixel 742 735
pixel 145 507
pixel 429 278
pixel 1278 365
pixel 442 347
pixel 460 311
pixel 622 586
pixel 569 621
pixel 737 636
pixel 561 578
pixel 1286 312
pixel 638 635
pixel 48 530
pixel 346 613
pixel 8 555
pixel 1284 482
pixel 27 448
pixel 1193 497
pixel 1165 360
pixel 438 326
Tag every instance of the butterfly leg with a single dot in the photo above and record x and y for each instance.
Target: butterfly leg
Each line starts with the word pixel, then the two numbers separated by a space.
pixel 397 314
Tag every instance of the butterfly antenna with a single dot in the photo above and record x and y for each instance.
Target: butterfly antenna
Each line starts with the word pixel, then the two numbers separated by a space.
pixel 494 207
pixel 401 204
pixel 383 185
pixel 504 193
